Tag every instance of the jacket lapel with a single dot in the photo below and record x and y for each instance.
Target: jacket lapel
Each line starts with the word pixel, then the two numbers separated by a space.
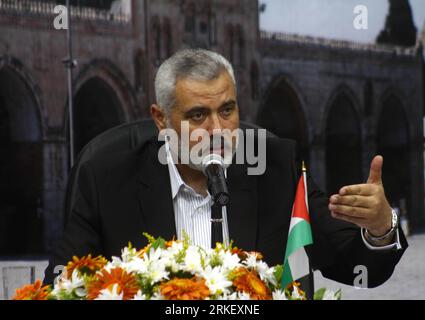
pixel 155 193
pixel 242 208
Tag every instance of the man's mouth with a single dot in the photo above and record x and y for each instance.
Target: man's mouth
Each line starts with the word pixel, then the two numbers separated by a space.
pixel 219 151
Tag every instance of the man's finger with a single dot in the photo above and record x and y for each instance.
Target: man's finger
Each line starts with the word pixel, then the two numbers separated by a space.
pixel 353 201
pixel 349 211
pixel 358 190
pixel 356 221
pixel 375 174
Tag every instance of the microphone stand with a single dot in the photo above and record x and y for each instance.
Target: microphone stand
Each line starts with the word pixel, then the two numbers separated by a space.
pixel 216 224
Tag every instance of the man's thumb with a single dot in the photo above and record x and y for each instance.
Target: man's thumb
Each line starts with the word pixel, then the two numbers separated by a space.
pixel 375 174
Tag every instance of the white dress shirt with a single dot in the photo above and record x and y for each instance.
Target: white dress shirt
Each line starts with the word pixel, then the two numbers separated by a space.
pixel 192 211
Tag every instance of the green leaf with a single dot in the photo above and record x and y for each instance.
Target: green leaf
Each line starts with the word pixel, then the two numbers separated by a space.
pixel 278 274
pixel 159 243
pixel 318 295
pixel 150 238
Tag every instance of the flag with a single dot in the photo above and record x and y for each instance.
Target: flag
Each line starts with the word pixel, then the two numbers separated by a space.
pixel 296 264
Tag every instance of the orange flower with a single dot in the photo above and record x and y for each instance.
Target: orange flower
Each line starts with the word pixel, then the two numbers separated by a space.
pixel 127 283
pixel 248 282
pixel 185 289
pixel 32 292
pixel 291 287
pixel 142 252
pixel 85 265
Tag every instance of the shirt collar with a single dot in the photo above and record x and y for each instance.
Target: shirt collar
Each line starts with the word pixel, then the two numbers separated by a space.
pixel 175 178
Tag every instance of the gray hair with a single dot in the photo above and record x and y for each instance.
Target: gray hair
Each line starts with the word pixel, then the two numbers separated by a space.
pixel 196 64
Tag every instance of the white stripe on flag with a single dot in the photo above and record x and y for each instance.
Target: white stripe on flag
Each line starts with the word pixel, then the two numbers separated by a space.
pixel 298 262
pixel 294 221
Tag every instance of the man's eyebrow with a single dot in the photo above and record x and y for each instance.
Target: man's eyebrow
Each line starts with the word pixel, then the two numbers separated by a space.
pixel 201 108
pixel 196 109
pixel 229 103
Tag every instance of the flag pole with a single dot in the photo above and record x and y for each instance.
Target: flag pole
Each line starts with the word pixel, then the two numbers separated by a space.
pixel 310 282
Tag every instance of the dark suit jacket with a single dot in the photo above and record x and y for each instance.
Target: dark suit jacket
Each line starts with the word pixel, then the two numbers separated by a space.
pixel 127 194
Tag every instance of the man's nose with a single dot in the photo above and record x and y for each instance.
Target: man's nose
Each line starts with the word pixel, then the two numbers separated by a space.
pixel 215 123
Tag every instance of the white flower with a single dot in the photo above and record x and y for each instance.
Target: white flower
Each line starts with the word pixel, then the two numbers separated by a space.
pixel 192 260
pixel 267 274
pixel 229 261
pixel 140 296
pixel 157 296
pixel 108 294
pixel 296 294
pixel 251 260
pixel 216 280
pixel 236 296
pixel 264 271
pixel 76 284
pixel 128 254
pixel 155 265
pixel 279 295
pixel 136 265
pixel 115 263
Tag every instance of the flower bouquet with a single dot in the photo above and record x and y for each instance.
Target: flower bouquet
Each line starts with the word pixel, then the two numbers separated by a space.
pixel 171 270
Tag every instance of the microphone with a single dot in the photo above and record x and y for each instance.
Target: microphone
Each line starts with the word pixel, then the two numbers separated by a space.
pixel 213 168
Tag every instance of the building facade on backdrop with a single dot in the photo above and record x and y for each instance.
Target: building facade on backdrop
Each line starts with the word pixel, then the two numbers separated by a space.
pixel 342 101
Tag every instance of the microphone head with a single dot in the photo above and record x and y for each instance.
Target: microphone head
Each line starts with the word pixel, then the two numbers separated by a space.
pixel 210 159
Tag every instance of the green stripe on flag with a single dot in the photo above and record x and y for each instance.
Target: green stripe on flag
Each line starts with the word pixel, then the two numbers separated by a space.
pixel 299 236
pixel 286 276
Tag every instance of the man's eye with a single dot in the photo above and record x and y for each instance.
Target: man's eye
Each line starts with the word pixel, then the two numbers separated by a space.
pixel 197 116
pixel 227 111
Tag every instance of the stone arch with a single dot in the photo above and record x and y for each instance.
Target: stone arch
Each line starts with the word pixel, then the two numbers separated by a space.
pixel 21 163
pixel 282 113
pixel 343 137
pixel 393 142
pixel 103 98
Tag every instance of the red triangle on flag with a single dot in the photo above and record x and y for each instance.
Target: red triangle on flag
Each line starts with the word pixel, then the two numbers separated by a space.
pixel 300 207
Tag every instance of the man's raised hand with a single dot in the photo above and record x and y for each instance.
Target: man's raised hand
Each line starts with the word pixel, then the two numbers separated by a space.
pixel 364 204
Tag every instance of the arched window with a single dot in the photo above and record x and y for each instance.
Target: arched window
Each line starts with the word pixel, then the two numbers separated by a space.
pixel 393 143
pixel 282 114
pixel 97 109
pixel 343 145
pixel 21 168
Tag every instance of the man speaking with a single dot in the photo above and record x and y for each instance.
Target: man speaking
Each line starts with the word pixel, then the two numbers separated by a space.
pixel 123 195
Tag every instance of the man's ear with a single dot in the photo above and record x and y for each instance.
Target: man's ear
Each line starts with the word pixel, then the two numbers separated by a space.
pixel 159 116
